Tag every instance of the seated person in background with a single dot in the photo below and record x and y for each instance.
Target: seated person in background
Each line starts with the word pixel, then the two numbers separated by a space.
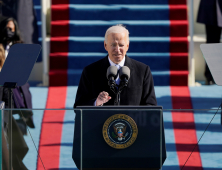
pixel 93 87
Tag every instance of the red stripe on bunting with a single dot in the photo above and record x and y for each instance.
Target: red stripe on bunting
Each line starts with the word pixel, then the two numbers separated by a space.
pixel 184 129
pixel 51 130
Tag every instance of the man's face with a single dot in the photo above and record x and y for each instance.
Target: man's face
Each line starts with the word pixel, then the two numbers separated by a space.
pixel 117 45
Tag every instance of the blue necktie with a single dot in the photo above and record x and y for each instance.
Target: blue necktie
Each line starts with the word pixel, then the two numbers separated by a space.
pixel 117 79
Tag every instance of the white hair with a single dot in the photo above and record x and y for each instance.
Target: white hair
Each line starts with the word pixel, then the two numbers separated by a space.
pixel 119 28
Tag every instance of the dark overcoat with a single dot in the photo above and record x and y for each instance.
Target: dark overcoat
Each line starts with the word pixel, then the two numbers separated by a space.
pixel 207 13
pixel 140 89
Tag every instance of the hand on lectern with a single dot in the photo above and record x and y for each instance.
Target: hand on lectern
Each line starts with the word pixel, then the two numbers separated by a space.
pixel 102 98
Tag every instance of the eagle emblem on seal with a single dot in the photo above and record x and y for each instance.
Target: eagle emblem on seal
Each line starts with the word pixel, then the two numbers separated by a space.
pixel 120 130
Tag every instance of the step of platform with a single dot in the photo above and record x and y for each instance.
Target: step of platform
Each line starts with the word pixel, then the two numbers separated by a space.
pixel 161 78
pixel 156 61
pixel 137 44
pixel 136 28
pixel 122 2
pixel 125 12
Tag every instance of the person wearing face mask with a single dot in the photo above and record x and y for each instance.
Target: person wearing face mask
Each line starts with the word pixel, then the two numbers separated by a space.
pixel 9 35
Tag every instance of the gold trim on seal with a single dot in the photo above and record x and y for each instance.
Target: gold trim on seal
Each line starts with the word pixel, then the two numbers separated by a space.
pixel 131 122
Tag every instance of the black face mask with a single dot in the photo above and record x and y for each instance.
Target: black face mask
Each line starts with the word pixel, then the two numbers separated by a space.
pixel 9 34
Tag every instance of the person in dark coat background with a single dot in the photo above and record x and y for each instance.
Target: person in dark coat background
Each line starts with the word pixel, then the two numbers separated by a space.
pixel 210 14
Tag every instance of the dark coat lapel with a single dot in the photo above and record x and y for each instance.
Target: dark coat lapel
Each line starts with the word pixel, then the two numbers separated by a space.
pixel 105 64
pixel 103 70
pixel 101 75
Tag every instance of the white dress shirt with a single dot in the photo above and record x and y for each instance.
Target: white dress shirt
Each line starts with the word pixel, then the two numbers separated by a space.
pixel 7 49
pixel 121 64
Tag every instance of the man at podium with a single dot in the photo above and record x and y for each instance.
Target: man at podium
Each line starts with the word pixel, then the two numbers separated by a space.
pixel 93 143
pixel 93 87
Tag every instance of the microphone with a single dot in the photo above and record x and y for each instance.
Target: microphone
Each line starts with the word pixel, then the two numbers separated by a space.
pixel 111 75
pixel 124 75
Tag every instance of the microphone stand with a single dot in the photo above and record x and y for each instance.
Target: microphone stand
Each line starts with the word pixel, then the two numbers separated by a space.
pixel 10 86
pixel 117 91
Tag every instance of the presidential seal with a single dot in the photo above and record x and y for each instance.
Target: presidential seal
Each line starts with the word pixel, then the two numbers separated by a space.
pixel 120 131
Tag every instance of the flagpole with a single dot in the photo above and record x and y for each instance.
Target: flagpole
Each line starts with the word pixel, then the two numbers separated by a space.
pixel 191 44
pixel 44 44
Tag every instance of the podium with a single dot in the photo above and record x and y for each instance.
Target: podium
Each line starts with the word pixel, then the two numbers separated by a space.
pixel 96 143
pixel 212 55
